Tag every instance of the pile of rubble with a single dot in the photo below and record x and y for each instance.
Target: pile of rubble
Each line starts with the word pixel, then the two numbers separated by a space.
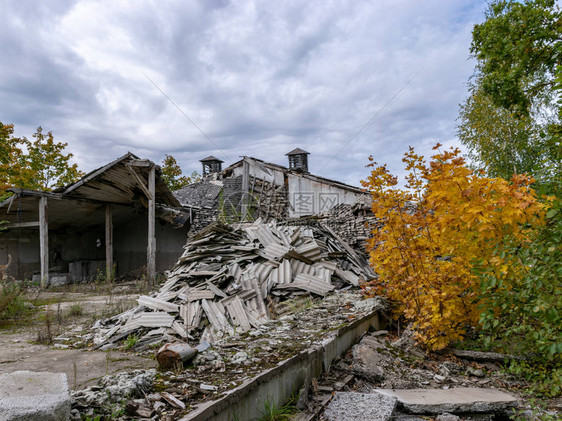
pixel 230 278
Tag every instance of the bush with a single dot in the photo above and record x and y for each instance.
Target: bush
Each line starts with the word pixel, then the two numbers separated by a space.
pixel 12 304
pixel 433 230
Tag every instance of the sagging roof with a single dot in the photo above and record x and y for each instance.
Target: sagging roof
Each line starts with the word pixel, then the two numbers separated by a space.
pixel 115 183
pixel 118 182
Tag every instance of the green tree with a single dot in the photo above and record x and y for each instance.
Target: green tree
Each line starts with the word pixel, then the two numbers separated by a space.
pixel 511 121
pixel 518 52
pixel 172 174
pixel 498 140
pixel 40 164
pixel 10 154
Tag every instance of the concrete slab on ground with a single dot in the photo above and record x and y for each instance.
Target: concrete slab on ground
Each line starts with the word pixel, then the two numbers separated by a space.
pixel 349 406
pixel 83 368
pixel 454 400
pixel 32 396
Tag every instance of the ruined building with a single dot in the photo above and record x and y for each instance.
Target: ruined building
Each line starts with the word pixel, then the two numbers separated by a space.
pixel 122 219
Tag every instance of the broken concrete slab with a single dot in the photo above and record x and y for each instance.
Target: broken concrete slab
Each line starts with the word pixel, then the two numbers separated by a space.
pixel 349 406
pixel 368 360
pixel 30 396
pixel 454 400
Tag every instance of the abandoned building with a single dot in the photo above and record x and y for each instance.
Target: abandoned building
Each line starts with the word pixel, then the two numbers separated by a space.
pixel 121 219
pixel 116 219
pixel 251 188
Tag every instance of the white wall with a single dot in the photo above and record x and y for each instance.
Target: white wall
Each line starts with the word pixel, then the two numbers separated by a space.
pixel 306 196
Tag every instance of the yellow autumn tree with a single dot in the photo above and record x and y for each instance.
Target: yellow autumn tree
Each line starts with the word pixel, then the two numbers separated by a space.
pixel 445 217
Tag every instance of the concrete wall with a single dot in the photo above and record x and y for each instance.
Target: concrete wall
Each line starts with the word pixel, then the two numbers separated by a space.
pixel 276 385
pixel 130 241
pixel 23 246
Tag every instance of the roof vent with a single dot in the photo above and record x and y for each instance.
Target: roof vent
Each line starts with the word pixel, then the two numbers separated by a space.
pixel 298 160
pixel 211 165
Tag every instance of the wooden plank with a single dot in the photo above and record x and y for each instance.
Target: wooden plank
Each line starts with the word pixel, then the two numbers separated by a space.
pixel 44 241
pixel 199 295
pixel 151 249
pixel 140 183
pixel 108 243
pixel 157 304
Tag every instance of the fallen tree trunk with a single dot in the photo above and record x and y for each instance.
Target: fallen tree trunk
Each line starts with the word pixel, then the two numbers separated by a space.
pixel 171 355
pixel 484 356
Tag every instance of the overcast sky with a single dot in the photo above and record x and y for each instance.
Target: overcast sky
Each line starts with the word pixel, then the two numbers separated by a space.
pixel 259 78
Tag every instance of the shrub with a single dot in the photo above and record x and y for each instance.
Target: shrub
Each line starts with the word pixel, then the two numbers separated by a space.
pixel 12 304
pixel 447 216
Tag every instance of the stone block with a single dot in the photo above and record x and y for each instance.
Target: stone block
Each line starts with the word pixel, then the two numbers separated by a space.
pixel 348 406
pixel 455 400
pixel 34 396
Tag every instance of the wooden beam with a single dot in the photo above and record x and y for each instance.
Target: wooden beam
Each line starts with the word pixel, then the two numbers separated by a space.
pixel 44 241
pixel 108 242
pixel 22 224
pixel 140 163
pixel 245 188
pixel 139 181
pixel 151 249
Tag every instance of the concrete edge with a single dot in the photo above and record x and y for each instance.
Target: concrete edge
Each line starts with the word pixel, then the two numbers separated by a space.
pixel 277 384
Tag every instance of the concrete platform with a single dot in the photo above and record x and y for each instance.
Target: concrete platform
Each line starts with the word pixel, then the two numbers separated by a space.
pixel 349 406
pixel 31 396
pixel 455 400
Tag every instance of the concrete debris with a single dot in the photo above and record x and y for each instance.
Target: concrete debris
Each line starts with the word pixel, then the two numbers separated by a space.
pixel 454 400
pixel 447 417
pixel 368 360
pixel 230 276
pixel 239 357
pixel 348 406
pixel 34 396
pixel 408 344
pixel 114 389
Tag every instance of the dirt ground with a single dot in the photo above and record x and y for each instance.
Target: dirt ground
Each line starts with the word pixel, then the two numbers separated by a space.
pixel 19 349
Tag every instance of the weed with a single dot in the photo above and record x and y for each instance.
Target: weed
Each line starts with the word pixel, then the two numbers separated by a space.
pixel 75 310
pixel 131 341
pixel 45 333
pixel 272 412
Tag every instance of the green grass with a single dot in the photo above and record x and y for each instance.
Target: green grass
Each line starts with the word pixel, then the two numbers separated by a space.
pixel 12 304
pixel 75 310
pixel 272 412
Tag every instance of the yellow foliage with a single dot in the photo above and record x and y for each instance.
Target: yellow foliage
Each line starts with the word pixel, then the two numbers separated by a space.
pixel 446 217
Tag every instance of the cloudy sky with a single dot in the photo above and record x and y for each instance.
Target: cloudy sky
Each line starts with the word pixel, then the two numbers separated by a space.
pixel 259 78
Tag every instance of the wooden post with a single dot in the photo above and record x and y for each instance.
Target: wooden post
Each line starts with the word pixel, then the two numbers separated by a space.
pixel 44 242
pixel 151 249
pixel 108 242
pixel 245 189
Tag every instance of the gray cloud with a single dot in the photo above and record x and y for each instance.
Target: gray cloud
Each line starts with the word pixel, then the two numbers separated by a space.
pixel 260 78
